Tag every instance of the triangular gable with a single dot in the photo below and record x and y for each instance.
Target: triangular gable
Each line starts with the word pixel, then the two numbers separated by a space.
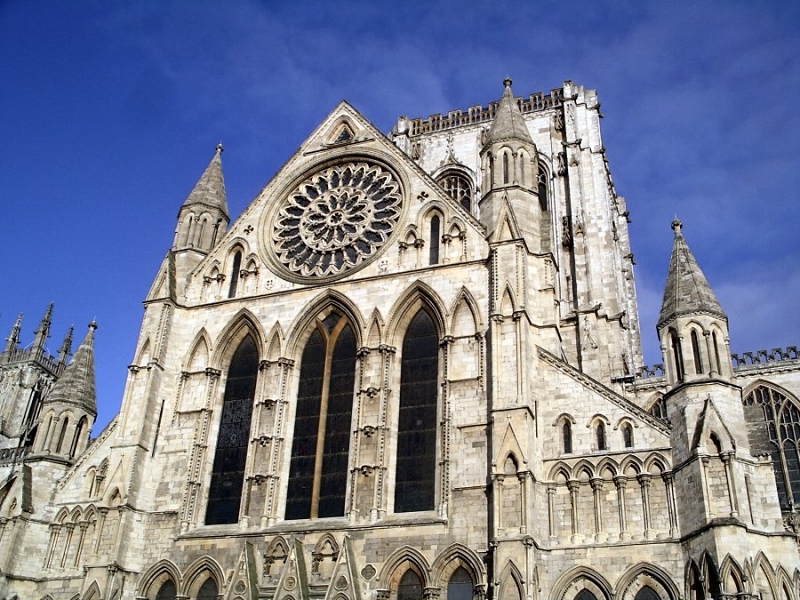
pixel 367 139
pixel 345 578
pixel 507 228
pixel 710 420
pixel 164 282
pixel 293 583
pixel 509 445
pixel 602 391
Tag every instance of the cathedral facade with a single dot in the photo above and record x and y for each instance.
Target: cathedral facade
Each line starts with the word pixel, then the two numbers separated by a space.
pixel 410 369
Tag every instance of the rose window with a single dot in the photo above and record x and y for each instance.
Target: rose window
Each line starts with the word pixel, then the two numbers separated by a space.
pixel 336 219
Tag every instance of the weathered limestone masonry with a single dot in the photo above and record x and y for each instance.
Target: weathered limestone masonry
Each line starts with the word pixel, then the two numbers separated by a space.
pixel 411 369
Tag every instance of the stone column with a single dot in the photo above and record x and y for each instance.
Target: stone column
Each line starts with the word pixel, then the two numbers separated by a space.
pixel 499 481
pixel 523 494
pixel 597 490
pixel 574 487
pixel 669 479
pixel 551 516
pixel 644 482
pixel 621 482
pixel 726 461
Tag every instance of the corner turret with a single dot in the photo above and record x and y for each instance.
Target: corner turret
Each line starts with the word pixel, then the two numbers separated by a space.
pixel 692 327
pixel 203 216
pixel 509 162
pixel 70 408
pixel 42 332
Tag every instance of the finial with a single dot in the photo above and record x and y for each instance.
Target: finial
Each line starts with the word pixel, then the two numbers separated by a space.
pixel 219 148
pixel 676 226
pixel 507 82
pixel 93 324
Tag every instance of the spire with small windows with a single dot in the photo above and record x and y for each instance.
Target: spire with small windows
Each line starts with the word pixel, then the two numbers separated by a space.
pixel 13 338
pixel 692 326
pixel 686 290
pixel 203 216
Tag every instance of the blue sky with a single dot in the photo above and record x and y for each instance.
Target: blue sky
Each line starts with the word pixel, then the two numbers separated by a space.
pixel 109 112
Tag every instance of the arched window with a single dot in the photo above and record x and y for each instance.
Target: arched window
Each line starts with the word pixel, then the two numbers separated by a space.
pixel 677 354
pixel 215 233
pixel 600 435
pixel 541 188
pixel 460 586
pixel 80 433
pixel 167 591
pixel 208 591
pixel 627 435
pixel 585 594
pixel 698 361
pixel 62 434
pixel 505 167
pixel 778 418
pixel 566 436
pixel 434 251
pixel 237 265
pixel 415 480
pixel 458 188
pixel 321 444
pixel 409 587
pixel 716 351
pixel 227 475
pixel 200 233
pixel 646 593
pixel 659 410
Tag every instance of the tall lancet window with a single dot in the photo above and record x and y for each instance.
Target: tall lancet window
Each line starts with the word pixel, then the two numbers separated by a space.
pixel 322 424
pixel 227 476
pixel 415 481
pixel 237 265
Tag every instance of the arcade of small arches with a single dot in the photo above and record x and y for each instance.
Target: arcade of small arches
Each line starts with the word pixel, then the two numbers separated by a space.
pixel 598 425
pixel 64 433
pixel 702 355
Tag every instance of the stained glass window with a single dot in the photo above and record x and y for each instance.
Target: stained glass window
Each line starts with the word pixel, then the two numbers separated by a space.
pixel 434 248
pixel 646 593
pixel 318 473
pixel 208 591
pixel 410 587
pixel 416 435
pixel 227 476
pixel 460 586
pixel 566 436
pixel 778 433
pixel 167 591
pixel 458 188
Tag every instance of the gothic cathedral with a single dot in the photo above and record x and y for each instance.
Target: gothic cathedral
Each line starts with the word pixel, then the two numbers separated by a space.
pixel 410 369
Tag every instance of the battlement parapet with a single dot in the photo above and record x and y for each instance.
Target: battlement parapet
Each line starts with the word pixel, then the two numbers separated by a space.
pixel 763 357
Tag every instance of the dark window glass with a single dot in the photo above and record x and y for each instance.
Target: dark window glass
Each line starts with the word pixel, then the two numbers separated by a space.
pixel 566 432
pixel 62 434
pixel 167 591
pixel 505 168
pixel 627 436
pixel 434 253
pixel 227 476
pixel 585 594
pixel 716 351
pixel 659 410
pixel 458 188
pixel 237 265
pixel 677 354
pixel 698 362
pixel 646 593
pixel 601 436
pixel 460 586
pixel 208 591
pixel 416 435
pixel 542 189
pixel 318 483
pixel 410 587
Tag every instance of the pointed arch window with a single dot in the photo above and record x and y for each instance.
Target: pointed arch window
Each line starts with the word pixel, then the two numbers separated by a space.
pixel 415 480
pixel 698 361
pixel 585 594
pixel 458 188
pixel 321 445
pixel 434 248
pixel 237 266
pixel 677 354
pixel 409 587
pixel 62 435
pixel 541 189
pixel 505 167
pixel 460 586
pixel 778 418
pixel 716 351
pixel 227 476
pixel 627 435
pixel 566 436
pixel 600 435
pixel 647 593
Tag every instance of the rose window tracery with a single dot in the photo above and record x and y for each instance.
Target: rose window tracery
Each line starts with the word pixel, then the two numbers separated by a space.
pixel 336 219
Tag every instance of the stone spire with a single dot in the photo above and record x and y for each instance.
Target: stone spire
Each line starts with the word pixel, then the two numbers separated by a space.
pixel 13 338
pixel 43 331
pixel 508 120
pixel 76 384
pixel 209 191
pixel 686 290
pixel 66 346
